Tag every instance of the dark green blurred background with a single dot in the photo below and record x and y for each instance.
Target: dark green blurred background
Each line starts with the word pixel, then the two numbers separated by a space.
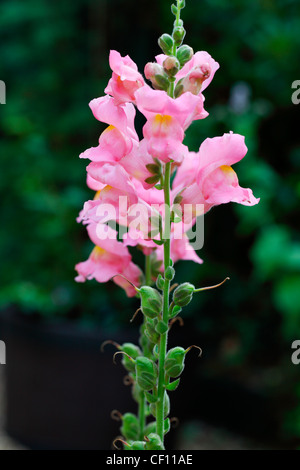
pixel 54 60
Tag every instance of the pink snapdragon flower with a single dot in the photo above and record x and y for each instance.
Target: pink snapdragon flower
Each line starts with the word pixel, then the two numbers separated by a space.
pixel 109 258
pixel 106 109
pixel 113 145
pixel 210 180
pixel 167 120
pixel 201 66
pixel 125 80
pixel 185 109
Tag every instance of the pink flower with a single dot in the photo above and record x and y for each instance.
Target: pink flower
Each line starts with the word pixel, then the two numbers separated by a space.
pixel 113 145
pixel 106 109
pixel 167 120
pixel 135 163
pixel 184 109
pixel 200 62
pixel 125 80
pixel 108 258
pixel 164 136
pixel 215 182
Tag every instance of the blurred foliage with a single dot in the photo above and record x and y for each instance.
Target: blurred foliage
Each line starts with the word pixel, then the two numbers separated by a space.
pixel 54 60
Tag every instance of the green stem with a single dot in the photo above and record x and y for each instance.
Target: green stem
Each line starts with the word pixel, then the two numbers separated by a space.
pixel 148 274
pixel 165 313
pixel 142 401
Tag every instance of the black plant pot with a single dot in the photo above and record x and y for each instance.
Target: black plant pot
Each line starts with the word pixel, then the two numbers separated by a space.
pixel 60 387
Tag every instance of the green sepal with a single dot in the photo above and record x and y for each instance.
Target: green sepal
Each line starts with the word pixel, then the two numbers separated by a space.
pixel 167 425
pixel 158 242
pixel 153 168
pixel 152 179
pixel 160 282
pixel 150 397
pixel 175 310
pixel 172 385
pixel 161 327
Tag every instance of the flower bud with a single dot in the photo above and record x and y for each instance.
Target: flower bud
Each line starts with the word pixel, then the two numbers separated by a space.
pixel 194 79
pixel 166 406
pixel 137 445
pixel 166 44
pixel 153 442
pixel 171 66
pixel 150 330
pixel 146 373
pixel 183 294
pixel 151 301
pixel 130 426
pixel 150 428
pixel 133 351
pixel 169 273
pixel 178 35
pixel 184 54
pixel 160 282
pixel 174 363
pixel 156 74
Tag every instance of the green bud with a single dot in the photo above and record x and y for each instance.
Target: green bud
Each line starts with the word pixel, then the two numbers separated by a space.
pixel 137 445
pixel 132 351
pixel 174 363
pixel 178 35
pixel 166 406
pixel 160 282
pixel 146 373
pixel 151 301
pixel 166 44
pixel 171 66
pixel 169 273
pixel 161 82
pixel 154 442
pixel 150 330
pixel 183 294
pixel 130 426
pixel 184 54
